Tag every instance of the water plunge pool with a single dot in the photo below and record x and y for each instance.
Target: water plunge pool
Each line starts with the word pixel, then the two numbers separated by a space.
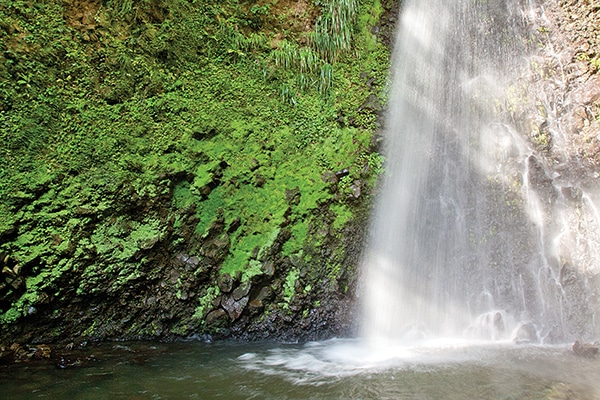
pixel 334 369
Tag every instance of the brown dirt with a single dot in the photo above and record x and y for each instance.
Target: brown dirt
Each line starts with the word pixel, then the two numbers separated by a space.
pixel 289 19
pixel 81 14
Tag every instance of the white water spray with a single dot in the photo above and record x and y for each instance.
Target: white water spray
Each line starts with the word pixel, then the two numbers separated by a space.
pixel 466 235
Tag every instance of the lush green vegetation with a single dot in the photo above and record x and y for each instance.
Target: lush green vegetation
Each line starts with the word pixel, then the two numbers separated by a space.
pixel 120 118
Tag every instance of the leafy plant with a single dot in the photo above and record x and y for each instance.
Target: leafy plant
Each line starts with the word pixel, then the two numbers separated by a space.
pixel 164 118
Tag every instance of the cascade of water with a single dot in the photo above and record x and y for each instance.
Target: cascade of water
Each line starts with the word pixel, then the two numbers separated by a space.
pixel 464 234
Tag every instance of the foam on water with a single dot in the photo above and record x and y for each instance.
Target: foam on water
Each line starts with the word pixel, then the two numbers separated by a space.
pixel 319 362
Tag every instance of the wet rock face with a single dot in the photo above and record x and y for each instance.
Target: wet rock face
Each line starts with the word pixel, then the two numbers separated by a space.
pixel 557 104
pixel 386 30
pixel 564 87
pixel 175 287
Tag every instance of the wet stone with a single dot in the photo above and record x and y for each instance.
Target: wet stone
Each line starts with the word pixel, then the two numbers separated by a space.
pixel 342 173
pixel 263 295
pixel 526 333
pixel 174 276
pixel 215 315
pixel 186 261
pixel 587 350
pixel 242 290
pixel 268 268
pixel 234 308
pixel 17 283
pixel 329 177
pixel 225 283
pixel 235 224
pixel 356 189
pixel 6 356
pixel 42 351
pixel 293 196
pixel 9 272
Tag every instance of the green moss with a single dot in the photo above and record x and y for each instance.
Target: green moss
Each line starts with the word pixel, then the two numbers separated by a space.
pixel 180 330
pixel 239 259
pixel 123 239
pixel 183 196
pixel 254 268
pixel 34 286
pixel 343 215
pixel 90 330
pixel 208 211
pixel 98 126
pixel 289 287
pixel 366 21
pixel 126 274
pixel 296 243
pixel 146 234
pixel 31 245
pixel 205 302
pixel 204 176
pixel 270 240
pixel 11 315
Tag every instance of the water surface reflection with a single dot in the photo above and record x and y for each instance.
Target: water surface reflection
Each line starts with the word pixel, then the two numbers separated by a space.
pixel 335 369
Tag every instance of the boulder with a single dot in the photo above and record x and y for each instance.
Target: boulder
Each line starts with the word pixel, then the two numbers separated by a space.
pixel 586 350
pixel 525 333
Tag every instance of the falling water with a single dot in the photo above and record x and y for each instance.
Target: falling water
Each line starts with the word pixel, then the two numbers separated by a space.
pixel 473 235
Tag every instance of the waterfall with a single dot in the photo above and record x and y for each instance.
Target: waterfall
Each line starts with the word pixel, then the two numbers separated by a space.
pixel 472 234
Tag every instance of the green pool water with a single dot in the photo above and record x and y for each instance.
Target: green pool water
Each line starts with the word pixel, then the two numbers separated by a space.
pixel 335 369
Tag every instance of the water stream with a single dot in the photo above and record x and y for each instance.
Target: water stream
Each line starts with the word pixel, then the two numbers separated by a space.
pixel 474 230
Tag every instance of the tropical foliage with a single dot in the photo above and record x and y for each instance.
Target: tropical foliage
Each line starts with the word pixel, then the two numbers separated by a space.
pixel 119 118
